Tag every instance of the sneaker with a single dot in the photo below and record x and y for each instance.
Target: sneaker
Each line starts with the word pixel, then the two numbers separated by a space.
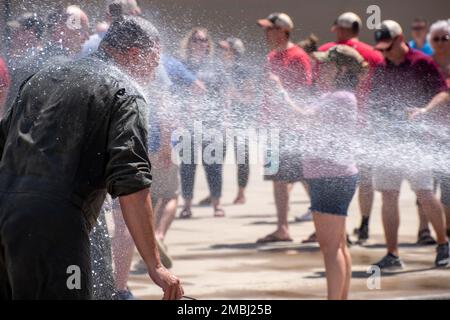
pixel 125 295
pixel 308 216
pixel 390 262
pixel 425 239
pixel 349 241
pixel 443 255
pixel 363 234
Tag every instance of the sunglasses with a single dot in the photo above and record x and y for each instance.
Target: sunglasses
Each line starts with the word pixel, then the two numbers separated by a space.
pixel 199 40
pixel 418 28
pixel 445 38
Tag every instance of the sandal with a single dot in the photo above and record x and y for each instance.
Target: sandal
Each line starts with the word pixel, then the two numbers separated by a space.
pixel 219 213
pixel 185 213
pixel 311 239
pixel 271 238
pixel 425 238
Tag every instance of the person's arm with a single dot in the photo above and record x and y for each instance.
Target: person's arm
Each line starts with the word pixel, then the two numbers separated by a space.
pixel 167 123
pixel 138 215
pixel 440 101
pixel 437 87
pixel 128 177
pixel 275 82
pixel 5 83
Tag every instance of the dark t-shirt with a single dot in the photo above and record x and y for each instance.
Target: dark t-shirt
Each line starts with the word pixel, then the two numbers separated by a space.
pixel 396 90
pixel 412 84
pixel 76 133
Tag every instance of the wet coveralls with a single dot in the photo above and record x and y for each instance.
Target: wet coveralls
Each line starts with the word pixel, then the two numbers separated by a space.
pixel 75 132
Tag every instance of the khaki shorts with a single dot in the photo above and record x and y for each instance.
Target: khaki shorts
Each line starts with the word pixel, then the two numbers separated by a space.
pixel 390 179
pixel 165 181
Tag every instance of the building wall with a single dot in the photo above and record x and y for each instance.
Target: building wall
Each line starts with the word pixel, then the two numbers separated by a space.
pixel 237 17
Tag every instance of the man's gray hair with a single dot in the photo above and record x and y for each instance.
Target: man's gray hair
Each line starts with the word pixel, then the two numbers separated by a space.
pixel 131 32
pixel 440 25
pixel 118 8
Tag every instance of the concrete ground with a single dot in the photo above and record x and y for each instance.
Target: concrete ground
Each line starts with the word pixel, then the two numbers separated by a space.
pixel 217 258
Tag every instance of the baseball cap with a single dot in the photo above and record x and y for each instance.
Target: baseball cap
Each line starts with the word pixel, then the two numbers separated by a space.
pixel 342 55
pixel 349 20
pixel 277 20
pixel 234 44
pixel 386 33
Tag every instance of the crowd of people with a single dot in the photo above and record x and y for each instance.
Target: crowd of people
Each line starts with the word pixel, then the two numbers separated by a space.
pixel 352 117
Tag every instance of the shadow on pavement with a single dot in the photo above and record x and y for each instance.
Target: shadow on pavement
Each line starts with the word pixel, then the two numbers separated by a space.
pixel 365 275
pixel 268 247
pixel 400 245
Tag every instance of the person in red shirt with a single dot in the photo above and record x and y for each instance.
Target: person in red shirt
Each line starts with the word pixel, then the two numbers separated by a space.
pixel 5 83
pixel 347 27
pixel 292 66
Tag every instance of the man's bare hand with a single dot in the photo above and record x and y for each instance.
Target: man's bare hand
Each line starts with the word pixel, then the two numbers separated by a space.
pixel 416 113
pixel 170 284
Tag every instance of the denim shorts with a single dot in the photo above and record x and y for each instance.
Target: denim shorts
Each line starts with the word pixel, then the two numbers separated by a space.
pixel 332 195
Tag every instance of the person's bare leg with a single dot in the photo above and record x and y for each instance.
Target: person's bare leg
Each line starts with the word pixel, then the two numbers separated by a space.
pixel 240 198
pixel 391 220
pixel 348 267
pixel 218 211
pixel 447 216
pixel 423 219
pixel 123 250
pixel 330 230
pixel 306 187
pixel 166 214
pixel 290 187
pixel 281 195
pixel 187 204
pixel 365 199
pixel 433 209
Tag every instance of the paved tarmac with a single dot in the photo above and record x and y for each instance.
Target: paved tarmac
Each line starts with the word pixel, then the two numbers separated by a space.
pixel 217 258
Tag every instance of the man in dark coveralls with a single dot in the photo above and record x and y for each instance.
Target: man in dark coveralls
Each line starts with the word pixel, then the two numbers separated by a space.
pixel 75 132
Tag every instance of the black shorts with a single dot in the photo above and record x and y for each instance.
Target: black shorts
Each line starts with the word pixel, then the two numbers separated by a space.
pixel 44 249
pixel 289 169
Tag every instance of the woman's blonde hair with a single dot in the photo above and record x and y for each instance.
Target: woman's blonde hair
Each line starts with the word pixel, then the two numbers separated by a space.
pixel 187 41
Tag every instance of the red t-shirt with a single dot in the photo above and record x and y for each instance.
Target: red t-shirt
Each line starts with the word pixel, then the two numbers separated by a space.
pixel 5 83
pixel 372 56
pixel 293 67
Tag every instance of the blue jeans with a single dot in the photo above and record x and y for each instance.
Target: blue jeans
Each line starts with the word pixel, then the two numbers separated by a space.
pixel 332 195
